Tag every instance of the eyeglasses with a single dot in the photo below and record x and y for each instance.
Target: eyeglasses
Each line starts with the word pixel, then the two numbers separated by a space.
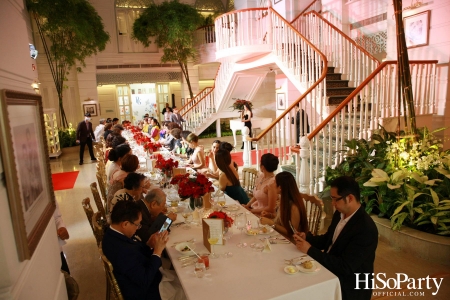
pixel 137 225
pixel 337 199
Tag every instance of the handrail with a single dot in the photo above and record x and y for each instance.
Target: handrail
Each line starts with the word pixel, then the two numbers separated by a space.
pixel 241 10
pixel 345 36
pixel 304 95
pixel 200 100
pixel 357 90
pixel 304 11
pixel 189 102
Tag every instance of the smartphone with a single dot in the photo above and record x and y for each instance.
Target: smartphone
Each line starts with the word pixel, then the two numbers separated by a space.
pixel 166 225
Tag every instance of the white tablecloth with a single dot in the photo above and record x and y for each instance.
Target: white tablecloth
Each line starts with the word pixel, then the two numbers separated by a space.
pixel 249 274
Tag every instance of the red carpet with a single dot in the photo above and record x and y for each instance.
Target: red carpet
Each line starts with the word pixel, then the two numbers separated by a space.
pixel 64 181
pixel 238 157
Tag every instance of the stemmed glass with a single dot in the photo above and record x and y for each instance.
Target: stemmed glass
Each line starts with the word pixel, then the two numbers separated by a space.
pixel 212 240
pixel 187 215
pixel 198 203
pixel 241 223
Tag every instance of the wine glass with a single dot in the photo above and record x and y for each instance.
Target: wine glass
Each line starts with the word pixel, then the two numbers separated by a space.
pixel 187 215
pixel 212 240
pixel 241 223
pixel 221 199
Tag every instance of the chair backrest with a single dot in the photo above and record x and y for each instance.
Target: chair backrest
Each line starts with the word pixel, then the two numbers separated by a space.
pixel 88 210
pixel 98 225
pixel 97 199
pixel 111 279
pixel 98 152
pixel 101 179
pixel 249 176
pixel 314 211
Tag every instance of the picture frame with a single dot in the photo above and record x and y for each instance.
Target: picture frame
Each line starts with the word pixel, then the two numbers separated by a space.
pixel 26 167
pixel 182 102
pixel 281 101
pixel 90 108
pixel 417 28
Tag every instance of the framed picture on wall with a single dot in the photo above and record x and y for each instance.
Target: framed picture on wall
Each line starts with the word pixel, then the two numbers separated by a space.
pixel 90 108
pixel 417 28
pixel 182 102
pixel 281 101
pixel 26 168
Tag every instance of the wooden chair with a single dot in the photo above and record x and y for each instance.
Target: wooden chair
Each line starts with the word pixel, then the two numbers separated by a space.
pixel 102 186
pixel 88 210
pixel 249 176
pixel 98 226
pixel 111 282
pixel 97 199
pixel 314 211
pixel 98 152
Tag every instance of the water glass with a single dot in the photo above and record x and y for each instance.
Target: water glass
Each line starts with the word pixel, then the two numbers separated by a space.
pixel 200 268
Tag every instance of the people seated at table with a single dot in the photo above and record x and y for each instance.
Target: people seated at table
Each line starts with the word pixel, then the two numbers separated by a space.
pixel 154 133
pixel 117 129
pixel 291 208
pixel 129 164
pixel 229 178
pixel 153 204
pixel 136 267
pixel 133 186
pixel 112 142
pixel 175 141
pixel 115 156
pixel 264 194
pixel 177 118
pixel 145 125
pixel 228 147
pixel 108 130
pixel 197 159
pixel 212 171
pixel 348 247
pixel 169 126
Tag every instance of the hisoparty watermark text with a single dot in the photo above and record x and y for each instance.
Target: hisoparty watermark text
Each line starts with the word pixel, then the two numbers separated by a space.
pixel 380 281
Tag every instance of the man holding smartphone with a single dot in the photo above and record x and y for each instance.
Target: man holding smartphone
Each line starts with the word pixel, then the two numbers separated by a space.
pixel 142 280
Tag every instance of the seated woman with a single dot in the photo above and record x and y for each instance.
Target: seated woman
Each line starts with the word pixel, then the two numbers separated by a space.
pixel 129 163
pixel 145 125
pixel 154 133
pixel 228 147
pixel 133 186
pixel 264 194
pixel 212 171
pixel 112 142
pixel 229 178
pixel 291 207
pixel 115 157
pixel 108 130
pixel 197 160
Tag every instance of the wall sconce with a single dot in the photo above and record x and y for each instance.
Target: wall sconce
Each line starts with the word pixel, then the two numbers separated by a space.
pixel 35 85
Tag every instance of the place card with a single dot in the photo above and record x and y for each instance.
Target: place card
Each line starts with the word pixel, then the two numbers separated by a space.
pixel 179 171
pixel 215 226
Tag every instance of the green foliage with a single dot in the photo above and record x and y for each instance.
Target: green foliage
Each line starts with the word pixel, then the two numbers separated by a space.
pixel 405 180
pixel 67 136
pixel 70 31
pixel 172 25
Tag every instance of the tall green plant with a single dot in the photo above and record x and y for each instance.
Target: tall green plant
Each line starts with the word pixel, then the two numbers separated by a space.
pixel 172 25
pixel 70 31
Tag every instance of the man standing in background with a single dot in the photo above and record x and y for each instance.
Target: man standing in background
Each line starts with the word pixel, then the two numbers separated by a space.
pixel 85 135
pixel 99 130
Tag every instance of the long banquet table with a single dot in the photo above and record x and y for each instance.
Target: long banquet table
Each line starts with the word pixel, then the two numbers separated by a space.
pixel 248 274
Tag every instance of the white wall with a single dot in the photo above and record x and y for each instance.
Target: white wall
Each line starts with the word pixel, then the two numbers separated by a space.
pixel 39 277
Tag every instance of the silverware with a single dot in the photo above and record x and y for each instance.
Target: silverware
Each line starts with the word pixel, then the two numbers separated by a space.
pixel 279 242
pixel 178 224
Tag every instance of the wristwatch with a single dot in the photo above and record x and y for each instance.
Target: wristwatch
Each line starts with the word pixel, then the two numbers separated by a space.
pixel 273 226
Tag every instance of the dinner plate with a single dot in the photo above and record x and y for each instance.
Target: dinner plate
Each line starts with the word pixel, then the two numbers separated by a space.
pixel 233 207
pixel 182 246
pixel 314 269
pixel 251 232
pixel 269 230
pixel 291 270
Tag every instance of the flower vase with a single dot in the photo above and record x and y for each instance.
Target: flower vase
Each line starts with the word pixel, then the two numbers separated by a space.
pixel 168 175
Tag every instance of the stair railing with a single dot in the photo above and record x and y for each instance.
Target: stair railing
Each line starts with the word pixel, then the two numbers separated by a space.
pixel 192 102
pixel 315 5
pixel 204 35
pixel 308 64
pixel 348 58
pixel 375 101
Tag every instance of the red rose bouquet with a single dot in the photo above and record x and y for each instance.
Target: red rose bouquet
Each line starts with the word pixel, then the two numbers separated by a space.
pixel 227 221
pixel 192 185
pixel 149 146
pixel 165 164
pixel 239 104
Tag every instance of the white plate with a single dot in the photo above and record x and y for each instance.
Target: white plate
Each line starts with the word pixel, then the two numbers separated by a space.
pixel 251 232
pixel 291 270
pixel 269 230
pixel 314 269
pixel 232 207
pixel 179 247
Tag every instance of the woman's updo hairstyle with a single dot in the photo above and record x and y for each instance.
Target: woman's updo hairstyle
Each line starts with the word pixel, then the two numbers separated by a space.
pixel 119 152
pixel 270 162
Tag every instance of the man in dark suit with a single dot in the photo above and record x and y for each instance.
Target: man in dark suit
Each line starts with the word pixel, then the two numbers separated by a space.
pixel 136 266
pixel 85 135
pixel 301 122
pixel 349 244
pixel 151 206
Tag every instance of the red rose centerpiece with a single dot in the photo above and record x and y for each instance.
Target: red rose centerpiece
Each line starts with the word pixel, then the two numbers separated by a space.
pixel 227 220
pixel 151 147
pixel 192 186
pixel 166 165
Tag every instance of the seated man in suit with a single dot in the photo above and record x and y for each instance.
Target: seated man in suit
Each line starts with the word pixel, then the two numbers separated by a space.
pixel 151 206
pixel 349 245
pixel 136 267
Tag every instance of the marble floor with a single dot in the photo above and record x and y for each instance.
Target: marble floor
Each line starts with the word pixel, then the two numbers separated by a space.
pixel 85 266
